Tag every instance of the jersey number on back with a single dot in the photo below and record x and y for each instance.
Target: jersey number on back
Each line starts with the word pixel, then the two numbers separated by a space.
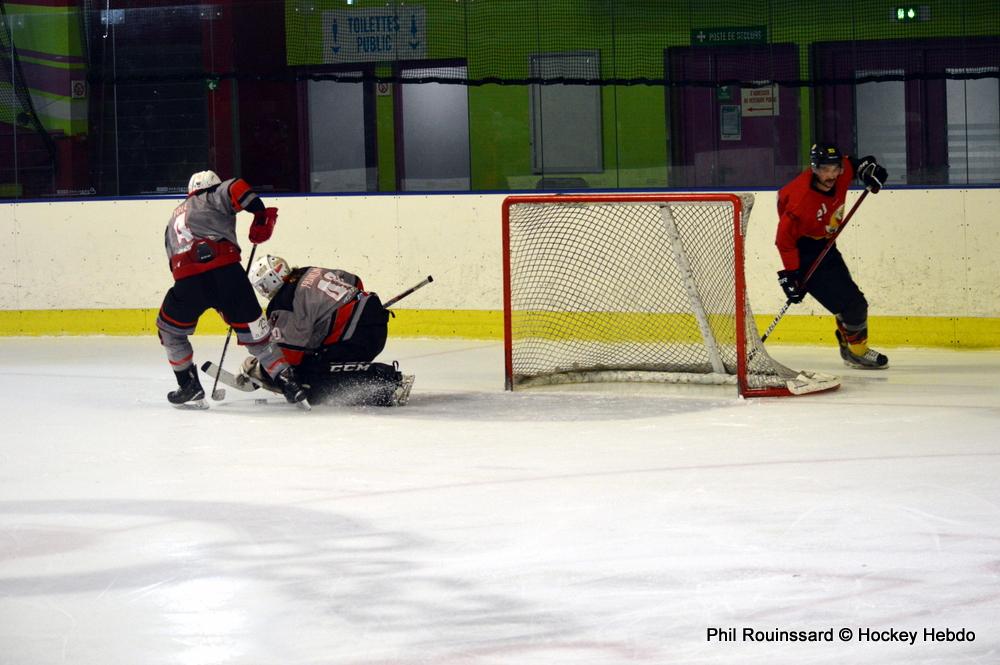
pixel 184 236
pixel 333 286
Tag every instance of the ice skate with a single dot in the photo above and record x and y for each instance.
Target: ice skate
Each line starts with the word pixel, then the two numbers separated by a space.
pixel 189 394
pixel 870 359
pixel 294 392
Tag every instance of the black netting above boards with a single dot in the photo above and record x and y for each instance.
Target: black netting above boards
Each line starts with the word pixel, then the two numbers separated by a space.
pixel 623 42
pixel 792 43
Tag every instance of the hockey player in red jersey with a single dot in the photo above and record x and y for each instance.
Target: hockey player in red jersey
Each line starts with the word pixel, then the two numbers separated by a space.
pixel 204 257
pixel 330 329
pixel 810 210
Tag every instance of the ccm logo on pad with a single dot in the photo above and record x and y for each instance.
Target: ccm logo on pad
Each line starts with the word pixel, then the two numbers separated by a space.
pixel 350 367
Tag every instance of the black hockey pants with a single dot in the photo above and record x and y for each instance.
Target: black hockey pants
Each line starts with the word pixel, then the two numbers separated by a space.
pixel 832 284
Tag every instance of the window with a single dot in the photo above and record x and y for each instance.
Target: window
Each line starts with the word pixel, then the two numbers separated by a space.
pixel 973 128
pixel 433 152
pixel 566 118
pixel 881 118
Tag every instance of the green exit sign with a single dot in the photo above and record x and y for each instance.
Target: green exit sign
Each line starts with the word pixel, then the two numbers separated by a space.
pixel 911 13
pixel 729 36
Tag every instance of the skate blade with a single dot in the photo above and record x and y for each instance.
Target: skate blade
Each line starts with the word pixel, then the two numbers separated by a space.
pixel 853 365
pixel 193 405
pixel 402 394
pixel 304 405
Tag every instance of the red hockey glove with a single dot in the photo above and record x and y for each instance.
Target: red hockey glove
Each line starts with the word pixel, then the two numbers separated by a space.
pixel 789 282
pixel 263 225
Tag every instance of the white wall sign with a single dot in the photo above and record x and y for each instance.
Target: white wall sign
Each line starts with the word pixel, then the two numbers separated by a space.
pixel 367 35
pixel 759 101
pixel 729 122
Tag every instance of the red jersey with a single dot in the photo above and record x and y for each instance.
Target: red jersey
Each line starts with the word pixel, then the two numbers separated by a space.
pixel 804 211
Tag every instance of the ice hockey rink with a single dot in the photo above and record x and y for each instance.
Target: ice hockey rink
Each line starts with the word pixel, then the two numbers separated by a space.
pixel 580 525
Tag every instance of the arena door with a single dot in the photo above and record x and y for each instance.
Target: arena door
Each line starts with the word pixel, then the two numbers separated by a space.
pixel 724 135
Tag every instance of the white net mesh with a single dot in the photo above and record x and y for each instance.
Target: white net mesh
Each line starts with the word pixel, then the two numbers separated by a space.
pixel 630 288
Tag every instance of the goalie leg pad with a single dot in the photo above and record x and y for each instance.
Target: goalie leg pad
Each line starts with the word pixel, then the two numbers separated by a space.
pixel 360 384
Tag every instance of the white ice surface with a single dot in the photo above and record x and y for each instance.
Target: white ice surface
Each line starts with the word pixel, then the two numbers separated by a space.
pixel 585 525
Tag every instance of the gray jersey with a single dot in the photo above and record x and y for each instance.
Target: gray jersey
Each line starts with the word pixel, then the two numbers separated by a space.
pixel 210 214
pixel 324 308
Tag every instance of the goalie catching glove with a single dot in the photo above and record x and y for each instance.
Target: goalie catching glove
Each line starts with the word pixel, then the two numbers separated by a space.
pixel 789 281
pixel 872 174
pixel 263 225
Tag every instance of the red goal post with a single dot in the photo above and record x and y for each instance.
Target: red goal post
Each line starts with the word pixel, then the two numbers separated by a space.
pixel 635 287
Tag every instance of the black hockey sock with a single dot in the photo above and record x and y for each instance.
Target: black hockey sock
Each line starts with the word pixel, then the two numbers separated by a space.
pixel 184 376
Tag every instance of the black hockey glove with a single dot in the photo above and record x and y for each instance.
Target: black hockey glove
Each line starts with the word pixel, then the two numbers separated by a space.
pixel 789 281
pixel 872 174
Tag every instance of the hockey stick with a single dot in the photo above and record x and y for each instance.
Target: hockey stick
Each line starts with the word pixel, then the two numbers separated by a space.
pixel 393 301
pixel 815 264
pixel 219 394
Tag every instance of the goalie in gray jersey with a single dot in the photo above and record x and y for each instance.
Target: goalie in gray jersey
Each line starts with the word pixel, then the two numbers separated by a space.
pixel 330 329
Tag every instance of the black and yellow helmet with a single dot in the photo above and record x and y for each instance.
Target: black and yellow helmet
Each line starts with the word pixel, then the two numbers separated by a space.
pixel 824 153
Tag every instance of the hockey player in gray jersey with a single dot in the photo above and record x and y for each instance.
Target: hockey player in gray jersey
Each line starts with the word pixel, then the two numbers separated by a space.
pixel 204 257
pixel 330 329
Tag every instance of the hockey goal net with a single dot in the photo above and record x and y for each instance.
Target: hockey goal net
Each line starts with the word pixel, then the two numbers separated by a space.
pixel 640 287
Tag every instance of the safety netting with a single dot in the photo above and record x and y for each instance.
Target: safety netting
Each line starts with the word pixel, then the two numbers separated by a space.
pixel 627 42
pixel 602 42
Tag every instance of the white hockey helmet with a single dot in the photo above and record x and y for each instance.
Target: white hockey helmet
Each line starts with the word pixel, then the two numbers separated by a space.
pixel 268 275
pixel 202 180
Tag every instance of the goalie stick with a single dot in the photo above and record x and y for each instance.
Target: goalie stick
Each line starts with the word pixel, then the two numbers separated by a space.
pixel 243 383
pixel 392 301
